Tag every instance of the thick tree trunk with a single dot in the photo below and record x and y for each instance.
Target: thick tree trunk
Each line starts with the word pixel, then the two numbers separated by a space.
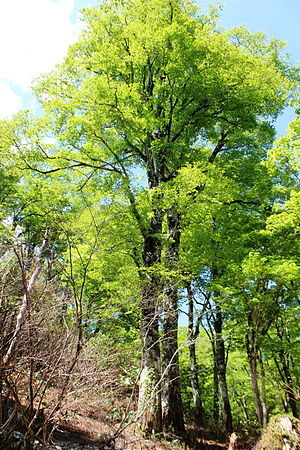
pixel 221 368
pixel 192 336
pixel 172 409
pixel 1 398
pixel 149 407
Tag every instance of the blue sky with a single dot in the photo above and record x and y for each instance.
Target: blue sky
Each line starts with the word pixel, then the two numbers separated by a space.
pixel 278 18
pixel 35 34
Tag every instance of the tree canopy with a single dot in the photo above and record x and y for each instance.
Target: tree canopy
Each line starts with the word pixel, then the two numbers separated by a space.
pixel 154 172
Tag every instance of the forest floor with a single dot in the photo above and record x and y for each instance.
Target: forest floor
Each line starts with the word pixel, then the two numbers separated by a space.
pixel 88 423
pixel 90 434
pixel 87 433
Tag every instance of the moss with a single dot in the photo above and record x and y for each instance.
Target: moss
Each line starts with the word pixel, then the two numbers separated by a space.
pixel 281 432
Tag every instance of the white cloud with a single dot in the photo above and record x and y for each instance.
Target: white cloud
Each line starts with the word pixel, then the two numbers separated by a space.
pixel 34 36
pixel 10 102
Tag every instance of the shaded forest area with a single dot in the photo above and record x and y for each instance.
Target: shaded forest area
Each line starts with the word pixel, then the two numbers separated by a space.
pixel 149 238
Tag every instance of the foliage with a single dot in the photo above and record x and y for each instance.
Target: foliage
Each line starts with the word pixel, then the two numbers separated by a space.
pixel 155 114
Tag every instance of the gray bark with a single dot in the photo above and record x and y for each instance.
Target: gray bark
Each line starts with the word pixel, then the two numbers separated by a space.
pixel 193 333
pixel 28 289
pixel 216 396
pixel 172 409
pixel 221 371
pixel 263 391
pixel 252 352
pixel 220 362
pixel 149 405
pixel 283 366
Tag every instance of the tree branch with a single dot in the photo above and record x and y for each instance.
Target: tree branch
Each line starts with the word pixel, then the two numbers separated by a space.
pixel 219 147
pixel 28 288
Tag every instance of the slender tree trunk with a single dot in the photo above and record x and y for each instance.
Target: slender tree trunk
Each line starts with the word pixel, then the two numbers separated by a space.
pixel 149 405
pixel 287 379
pixel 255 388
pixel 285 360
pixel 192 336
pixel 242 402
pixel 28 286
pixel 221 367
pixel 263 391
pixel 219 348
pixel 216 403
pixel 252 352
pixel 172 409
pixel 198 409
pixel 285 404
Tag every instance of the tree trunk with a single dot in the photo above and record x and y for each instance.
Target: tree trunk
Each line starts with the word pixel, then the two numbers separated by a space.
pixel 263 391
pixel 221 368
pixel 252 352
pixel 149 405
pixel 192 336
pixel 172 409
pixel 241 401
pixel 28 286
pixel 285 360
pixel 255 388
pixel 219 347
pixel 287 379
pixel 149 408
pixel 1 398
pixel 216 403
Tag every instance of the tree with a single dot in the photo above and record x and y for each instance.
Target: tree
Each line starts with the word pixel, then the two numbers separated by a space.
pixel 282 227
pixel 155 87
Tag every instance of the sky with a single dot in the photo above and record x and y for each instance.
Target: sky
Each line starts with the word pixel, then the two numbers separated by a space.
pixel 35 35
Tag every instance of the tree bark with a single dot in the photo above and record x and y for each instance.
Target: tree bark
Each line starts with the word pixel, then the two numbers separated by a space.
pixel 28 286
pixel 284 371
pixel 263 391
pixel 287 379
pixel 219 346
pixel 252 352
pixel 255 388
pixel 172 409
pixel 149 404
pixel 221 368
pixel 216 396
pixel 149 407
pixel 192 336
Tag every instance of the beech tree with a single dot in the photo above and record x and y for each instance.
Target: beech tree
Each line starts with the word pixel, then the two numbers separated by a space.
pixel 156 87
pixel 282 228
